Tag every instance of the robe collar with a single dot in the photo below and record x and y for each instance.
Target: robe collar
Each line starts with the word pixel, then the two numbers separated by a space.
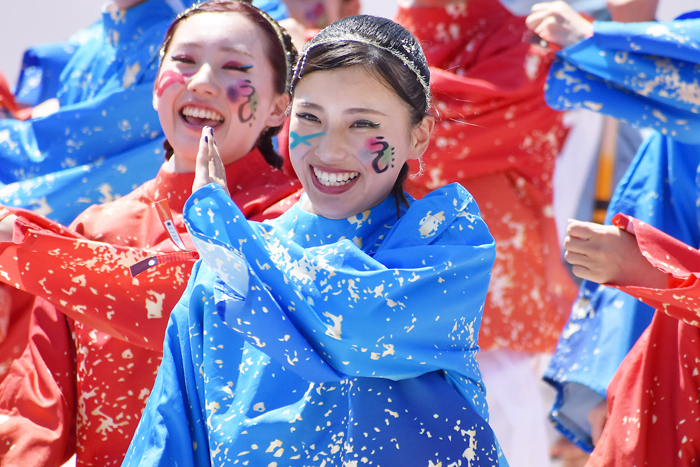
pixel 177 187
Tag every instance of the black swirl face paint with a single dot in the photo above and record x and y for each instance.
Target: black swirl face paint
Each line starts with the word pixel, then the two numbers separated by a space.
pixel 384 154
pixel 245 91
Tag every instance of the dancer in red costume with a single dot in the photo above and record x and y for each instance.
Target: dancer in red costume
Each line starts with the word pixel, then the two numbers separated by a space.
pixel 84 379
pixel 653 410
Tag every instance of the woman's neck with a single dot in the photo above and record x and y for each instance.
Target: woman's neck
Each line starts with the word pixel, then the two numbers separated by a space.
pixel 178 165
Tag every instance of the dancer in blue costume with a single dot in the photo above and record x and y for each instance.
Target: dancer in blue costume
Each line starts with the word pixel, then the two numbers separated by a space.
pixel 645 74
pixel 105 138
pixel 345 331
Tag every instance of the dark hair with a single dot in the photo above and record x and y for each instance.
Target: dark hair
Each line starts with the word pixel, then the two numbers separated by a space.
pixel 281 55
pixel 384 49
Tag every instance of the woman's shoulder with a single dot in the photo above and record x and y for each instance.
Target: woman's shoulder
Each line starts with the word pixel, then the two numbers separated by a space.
pixel 98 218
pixel 447 214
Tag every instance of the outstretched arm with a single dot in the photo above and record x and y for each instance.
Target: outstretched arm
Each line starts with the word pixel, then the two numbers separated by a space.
pixel 608 255
pixel 559 23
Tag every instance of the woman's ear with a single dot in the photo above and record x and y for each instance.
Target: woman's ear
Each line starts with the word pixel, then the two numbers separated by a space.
pixel 279 111
pixel 420 136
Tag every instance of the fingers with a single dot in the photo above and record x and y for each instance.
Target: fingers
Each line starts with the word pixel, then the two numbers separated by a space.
pixel 582 230
pixel 201 174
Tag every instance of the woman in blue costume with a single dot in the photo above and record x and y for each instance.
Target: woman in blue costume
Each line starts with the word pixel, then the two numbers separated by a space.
pixel 644 74
pixel 105 138
pixel 343 332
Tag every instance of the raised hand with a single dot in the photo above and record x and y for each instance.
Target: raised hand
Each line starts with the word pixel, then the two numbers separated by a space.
pixel 608 255
pixel 209 167
pixel 558 23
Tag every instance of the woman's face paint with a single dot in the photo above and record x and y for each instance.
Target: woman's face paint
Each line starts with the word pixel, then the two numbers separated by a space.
pixel 295 139
pixel 245 91
pixel 167 79
pixel 227 76
pixel 383 152
pixel 347 148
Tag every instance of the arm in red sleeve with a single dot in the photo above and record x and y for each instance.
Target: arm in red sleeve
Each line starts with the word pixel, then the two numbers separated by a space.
pixel 37 398
pixel 90 282
pixel 680 262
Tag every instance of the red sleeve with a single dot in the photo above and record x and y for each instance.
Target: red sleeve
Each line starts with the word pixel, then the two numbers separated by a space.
pixel 488 93
pixel 680 262
pixel 37 398
pixel 90 281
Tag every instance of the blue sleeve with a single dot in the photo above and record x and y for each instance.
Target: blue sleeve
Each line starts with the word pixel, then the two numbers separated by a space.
pixel 413 308
pixel 660 188
pixel 642 73
pixel 40 72
pixel 172 429
pixel 83 132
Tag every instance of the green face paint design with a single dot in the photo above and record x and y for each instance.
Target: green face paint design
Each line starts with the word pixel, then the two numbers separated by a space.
pixel 384 154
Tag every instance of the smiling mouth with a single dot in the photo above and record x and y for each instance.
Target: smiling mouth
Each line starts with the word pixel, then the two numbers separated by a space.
pixel 201 117
pixel 334 178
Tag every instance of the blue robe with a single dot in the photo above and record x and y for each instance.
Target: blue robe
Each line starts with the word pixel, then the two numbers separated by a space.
pixel 333 342
pixel 106 138
pixel 645 74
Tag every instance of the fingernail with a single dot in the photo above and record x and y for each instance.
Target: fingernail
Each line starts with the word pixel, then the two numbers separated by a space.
pixel 206 139
pixel 211 131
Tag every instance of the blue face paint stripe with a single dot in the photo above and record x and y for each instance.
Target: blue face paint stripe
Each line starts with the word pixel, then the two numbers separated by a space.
pixel 295 139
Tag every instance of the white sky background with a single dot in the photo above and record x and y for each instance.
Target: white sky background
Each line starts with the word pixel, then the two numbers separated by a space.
pixel 24 23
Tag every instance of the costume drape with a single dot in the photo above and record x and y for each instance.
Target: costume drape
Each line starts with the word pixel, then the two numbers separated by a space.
pixel 496 136
pixel 334 342
pixel 119 320
pixel 653 398
pixel 106 138
pixel 644 73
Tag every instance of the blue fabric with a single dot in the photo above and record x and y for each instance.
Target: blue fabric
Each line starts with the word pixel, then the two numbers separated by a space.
pixel 275 8
pixel 643 73
pixel 106 113
pixel 355 340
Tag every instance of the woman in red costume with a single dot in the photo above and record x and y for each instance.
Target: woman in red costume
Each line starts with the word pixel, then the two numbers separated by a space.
pixel 653 409
pixel 496 136
pixel 96 332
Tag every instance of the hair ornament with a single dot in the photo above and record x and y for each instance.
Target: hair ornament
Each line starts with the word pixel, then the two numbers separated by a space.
pixel 403 51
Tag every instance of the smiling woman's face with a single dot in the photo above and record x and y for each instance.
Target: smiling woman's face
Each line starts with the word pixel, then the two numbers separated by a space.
pixel 215 73
pixel 349 137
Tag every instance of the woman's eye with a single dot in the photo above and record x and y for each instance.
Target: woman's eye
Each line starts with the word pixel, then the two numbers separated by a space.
pixel 182 59
pixel 365 124
pixel 237 66
pixel 307 116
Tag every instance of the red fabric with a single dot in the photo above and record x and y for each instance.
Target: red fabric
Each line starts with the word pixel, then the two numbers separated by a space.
pixel 496 136
pixel 7 101
pixel 120 321
pixel 654 398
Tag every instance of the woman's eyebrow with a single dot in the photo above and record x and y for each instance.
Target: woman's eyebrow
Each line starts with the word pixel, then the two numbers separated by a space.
pixel 223 48
pixel 364 110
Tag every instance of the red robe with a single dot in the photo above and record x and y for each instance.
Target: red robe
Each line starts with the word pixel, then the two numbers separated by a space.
pixel 81 385
pixel 496 136
pixel 654 398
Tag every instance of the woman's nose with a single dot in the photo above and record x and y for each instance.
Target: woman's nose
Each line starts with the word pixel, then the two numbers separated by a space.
pixel 203 81
pixel 333 147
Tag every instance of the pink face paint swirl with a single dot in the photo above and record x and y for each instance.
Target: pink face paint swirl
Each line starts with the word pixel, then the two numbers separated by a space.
pixel 167 79
pixel 384 153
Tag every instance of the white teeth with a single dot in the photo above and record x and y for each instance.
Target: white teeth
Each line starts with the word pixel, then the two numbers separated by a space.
pixel 334 178
pixel 196 112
